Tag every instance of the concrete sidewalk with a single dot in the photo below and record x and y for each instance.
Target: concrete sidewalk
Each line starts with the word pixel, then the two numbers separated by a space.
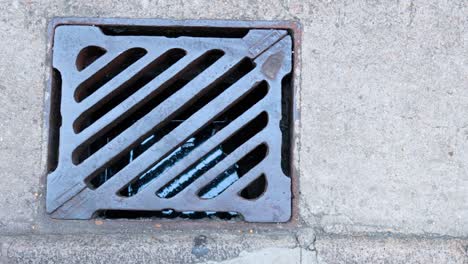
pixel 383 98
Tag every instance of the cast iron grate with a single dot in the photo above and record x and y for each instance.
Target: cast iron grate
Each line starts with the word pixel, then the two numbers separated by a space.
pixel 155 121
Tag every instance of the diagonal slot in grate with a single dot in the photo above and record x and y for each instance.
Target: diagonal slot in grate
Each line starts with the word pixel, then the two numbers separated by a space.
pixel 169 122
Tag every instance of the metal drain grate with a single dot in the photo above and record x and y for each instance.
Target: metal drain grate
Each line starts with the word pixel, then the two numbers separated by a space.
pixel 170 121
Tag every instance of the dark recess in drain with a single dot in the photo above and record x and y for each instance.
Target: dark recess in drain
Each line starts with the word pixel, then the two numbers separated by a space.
pixel 175 32
pixel 286 123
pixel 97 179
pixel 166 214
pixel 235 172
pixel 55 121
pixel 87 56
pixel 108 72
pixel 214 157
pixel 149 103
pixel 128 88
pixel 255 189
pixel 256 94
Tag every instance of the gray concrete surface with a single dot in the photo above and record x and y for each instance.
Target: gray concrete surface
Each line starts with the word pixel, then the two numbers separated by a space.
pixel 383 150
pixel 228 249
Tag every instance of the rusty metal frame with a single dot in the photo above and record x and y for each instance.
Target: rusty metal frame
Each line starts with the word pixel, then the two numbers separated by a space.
pixel 292 27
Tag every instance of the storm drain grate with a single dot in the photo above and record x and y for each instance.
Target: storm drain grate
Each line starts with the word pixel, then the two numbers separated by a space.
pixel 151 121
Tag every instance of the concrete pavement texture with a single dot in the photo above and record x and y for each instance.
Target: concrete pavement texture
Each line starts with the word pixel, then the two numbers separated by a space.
pixel 382 155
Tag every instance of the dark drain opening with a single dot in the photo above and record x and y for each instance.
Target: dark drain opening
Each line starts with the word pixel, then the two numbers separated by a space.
pixel 214 157
pixel 55 120
pixel 169 88
pixel 286 123
pixel 254 96
pixel 128 88
pixel 87 56
pixel 166 214
pixel 97 179
pixel 174 32
pixel 255 189
pixel 234 173
pixel 101 77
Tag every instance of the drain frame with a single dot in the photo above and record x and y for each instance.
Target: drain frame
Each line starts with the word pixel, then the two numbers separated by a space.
pixel 293 28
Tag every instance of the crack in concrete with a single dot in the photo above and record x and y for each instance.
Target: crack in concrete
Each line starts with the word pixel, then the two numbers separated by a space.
pixel 303 244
